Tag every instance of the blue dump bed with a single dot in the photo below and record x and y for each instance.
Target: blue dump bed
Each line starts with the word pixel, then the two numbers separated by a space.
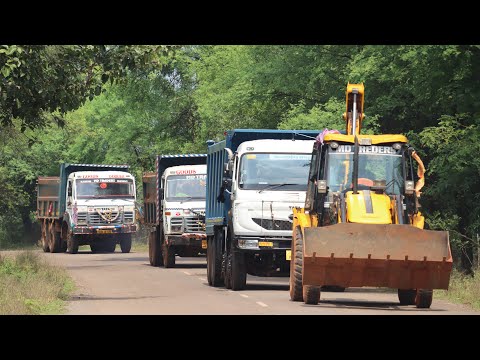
pixel 151 182
pixel 216 211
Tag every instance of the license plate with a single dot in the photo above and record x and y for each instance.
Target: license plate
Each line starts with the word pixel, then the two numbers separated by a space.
pixel 204 244
pixel 104 231
pixel 265 243
pixel 288 255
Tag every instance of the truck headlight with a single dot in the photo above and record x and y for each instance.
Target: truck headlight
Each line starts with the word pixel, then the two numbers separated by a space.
pixel 248 244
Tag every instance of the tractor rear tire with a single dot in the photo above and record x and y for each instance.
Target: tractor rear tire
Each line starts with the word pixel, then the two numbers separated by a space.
pixel 45 238
pixel 55 240
pixel 126 243
pixel 228 270
pixel 72 243
pixel 424 298
pixel 168 256
pixel 214 259
pixel 407 296
pixel 154 250
pixel 238 270
pixel 296 287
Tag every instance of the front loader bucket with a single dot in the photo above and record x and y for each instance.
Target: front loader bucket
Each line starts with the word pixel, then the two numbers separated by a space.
pixel 394 256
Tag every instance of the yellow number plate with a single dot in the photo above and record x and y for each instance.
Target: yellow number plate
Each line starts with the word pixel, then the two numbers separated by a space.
pixel 104 231
pixel 265 243
pixel 204 244
pixel 288 255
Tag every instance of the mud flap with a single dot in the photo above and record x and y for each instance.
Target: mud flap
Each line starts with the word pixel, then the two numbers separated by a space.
pixel 395 256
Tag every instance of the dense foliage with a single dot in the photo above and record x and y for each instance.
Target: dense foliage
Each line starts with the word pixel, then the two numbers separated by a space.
pixel 172 99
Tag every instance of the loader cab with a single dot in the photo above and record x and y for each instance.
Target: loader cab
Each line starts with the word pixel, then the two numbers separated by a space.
pixel 383 167
pixel 377 166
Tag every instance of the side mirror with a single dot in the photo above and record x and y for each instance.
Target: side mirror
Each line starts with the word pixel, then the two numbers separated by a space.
pixel 322 186
pixel 161 193
pixel 228 168
pixel 69 191
pixel 409 187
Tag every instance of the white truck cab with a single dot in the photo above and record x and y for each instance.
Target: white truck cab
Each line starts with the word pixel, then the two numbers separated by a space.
pixel 184 205
pixel 270 179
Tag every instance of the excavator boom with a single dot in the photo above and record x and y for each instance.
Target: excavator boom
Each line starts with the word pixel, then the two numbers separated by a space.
pixel 354 114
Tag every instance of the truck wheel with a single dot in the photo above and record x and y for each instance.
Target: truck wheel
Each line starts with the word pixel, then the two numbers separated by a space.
pixel 45 242
pixel 407 296
pixel 110 245
pixel 126 243
pixel 154 250
pixel 94 248
pixel 72 243
pixel 63 245
pixel 168 256
pixel 424 298
pixel 311 294
pixel 54 239
pixel 214 259
pixel 228 270
pixel 239 270
pixel 296 267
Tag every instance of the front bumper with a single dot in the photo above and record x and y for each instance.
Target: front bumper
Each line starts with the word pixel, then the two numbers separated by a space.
pixel 106 229
pixel 264 243
pixel 188 239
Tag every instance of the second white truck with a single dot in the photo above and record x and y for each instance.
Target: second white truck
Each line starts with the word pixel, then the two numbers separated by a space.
pixel 174 207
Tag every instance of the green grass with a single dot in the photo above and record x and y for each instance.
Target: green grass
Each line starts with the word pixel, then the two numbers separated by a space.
pixel 19 246
pixel 462 290
pixel 139 246
pixel 30 286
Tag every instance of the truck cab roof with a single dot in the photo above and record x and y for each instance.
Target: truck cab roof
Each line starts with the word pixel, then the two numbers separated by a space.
pixel 281 146
pixel 186 170
pixel 100 174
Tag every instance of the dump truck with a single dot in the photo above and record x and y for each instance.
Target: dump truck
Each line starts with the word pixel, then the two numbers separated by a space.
pixel 88 204
pixel 254 178
pixel 174 208
pixel 361 223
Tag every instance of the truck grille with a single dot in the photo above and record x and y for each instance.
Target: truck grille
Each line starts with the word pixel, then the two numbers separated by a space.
pixel 95 219
pixel 190 224
pixel 268 224
pixel 193 224
pixel 82 218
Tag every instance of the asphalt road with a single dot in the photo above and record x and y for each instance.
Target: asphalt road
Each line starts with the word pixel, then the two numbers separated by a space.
pixel 126 284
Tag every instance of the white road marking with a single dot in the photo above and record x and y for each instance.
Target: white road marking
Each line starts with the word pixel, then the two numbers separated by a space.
pixel 243 295
pixel 262 304
pixel 202 279
pixel 187 273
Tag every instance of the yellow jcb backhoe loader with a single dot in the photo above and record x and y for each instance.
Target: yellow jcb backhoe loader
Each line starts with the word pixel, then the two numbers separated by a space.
pixel 361 224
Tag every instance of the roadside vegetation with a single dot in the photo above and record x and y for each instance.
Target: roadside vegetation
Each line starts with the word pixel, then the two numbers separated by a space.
pixel 30 286
pixel 463 290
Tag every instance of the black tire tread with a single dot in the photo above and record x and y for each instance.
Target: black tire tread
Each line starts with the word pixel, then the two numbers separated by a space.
pixel 296 287
pixel 424 298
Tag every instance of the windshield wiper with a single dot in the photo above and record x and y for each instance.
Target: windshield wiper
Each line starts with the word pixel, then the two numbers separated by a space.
pixel 187 198
pixel 274 186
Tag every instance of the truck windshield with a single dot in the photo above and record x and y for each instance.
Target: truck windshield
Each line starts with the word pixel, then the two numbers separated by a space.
pixel 186 187
pixel 375 163
pixel 104 188
pixel 289 171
